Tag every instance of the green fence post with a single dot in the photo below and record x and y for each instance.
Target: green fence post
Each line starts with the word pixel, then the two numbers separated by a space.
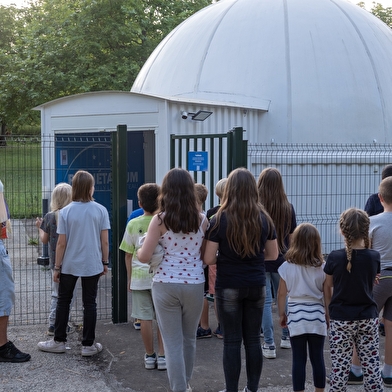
pixel 239 160
pixel 119 213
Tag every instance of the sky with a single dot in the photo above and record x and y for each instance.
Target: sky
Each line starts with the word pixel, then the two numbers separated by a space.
pixel 385 3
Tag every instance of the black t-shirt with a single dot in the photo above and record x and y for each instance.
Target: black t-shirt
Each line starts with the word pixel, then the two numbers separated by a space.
pixel 352 297
pixel 233 271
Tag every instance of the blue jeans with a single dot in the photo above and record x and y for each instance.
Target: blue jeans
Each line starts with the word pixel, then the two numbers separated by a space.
pixel 240 312
pixel 272 281
pixel 89 296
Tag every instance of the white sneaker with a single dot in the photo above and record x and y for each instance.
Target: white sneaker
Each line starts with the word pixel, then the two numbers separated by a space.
pixel 89 351
pixel 161 363
pixel 150 362
pixel 189 389
pixel 51 346
pixel 269 352
pixel 285 343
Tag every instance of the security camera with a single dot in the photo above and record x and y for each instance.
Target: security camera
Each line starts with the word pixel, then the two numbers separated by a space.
pixel 184 115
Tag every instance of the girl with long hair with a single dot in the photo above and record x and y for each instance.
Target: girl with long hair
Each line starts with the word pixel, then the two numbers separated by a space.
pixel 302 280
pixel 178 283
pixel 274 199
pixel 241 237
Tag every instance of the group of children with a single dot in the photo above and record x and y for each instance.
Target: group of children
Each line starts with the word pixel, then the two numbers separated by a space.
pixel 341 297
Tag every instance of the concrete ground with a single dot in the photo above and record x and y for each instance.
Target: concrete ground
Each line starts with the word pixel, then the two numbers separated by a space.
pixel 120 365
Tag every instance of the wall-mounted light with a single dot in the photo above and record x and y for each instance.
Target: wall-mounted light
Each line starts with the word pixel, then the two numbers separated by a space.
pixel 201 115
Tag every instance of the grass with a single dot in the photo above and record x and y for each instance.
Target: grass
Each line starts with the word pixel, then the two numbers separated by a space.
pixel 21 174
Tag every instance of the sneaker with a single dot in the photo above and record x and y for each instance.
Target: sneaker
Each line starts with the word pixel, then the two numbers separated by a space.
pixel 269 351
pixel 387 381
pixel 136 324
pixel 218 332
pixel 188 388
pixel 203 333
pixel 9 353
pixel 150 361
pixel 89 351
pixel 354 380
pixel 285 343
pixel 52 346
pixel 50 330
pixel 161 362
pixel 70 328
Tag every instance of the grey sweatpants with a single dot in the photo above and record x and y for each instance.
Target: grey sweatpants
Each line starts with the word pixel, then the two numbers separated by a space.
pixel 178 308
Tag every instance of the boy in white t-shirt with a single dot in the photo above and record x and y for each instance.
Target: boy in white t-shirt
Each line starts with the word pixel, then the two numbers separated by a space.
pixel 139 277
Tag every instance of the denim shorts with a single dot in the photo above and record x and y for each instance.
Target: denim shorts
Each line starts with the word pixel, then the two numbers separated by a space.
pixel 7 287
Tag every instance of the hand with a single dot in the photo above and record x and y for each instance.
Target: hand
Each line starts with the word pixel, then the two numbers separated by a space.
pixel 105 270
pixel 56 276
pixel 38 222
pixel 283 320
pixel 377 279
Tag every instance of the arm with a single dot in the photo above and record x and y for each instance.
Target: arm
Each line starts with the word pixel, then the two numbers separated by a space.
pixel 105 249
pixel 210 251
pixel 282 294
pixel 271 251
pixel 145 253
pixel 60 250
pixel 128 266
pixel 44 237
pixel 327 288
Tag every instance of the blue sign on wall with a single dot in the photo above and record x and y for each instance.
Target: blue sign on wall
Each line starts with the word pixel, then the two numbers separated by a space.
pixel 197 160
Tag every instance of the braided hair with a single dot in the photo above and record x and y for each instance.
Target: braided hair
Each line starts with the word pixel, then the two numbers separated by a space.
pixel 354 225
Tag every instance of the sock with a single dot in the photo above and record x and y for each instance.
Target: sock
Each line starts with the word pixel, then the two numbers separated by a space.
pixel 153 355
pixel 387 371
pixel 357 370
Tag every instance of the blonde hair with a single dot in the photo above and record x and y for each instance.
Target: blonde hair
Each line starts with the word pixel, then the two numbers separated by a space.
pixel 61 196
pixel 354 225
pixel 385 190
pixel 220 187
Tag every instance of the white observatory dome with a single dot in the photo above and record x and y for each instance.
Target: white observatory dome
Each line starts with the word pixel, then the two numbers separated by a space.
pixel 320 69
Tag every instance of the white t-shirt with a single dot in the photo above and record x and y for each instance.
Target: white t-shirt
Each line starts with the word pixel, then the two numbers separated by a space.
pixel 82 223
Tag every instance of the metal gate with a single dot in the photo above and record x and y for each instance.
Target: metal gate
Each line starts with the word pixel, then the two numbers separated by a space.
pixel 223 152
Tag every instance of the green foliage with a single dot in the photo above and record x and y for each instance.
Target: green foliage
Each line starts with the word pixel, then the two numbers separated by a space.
pixel 55 48
pixel 385 14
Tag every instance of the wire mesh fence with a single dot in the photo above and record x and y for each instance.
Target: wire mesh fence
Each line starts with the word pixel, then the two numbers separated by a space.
pixel 320 180
pixel 21 172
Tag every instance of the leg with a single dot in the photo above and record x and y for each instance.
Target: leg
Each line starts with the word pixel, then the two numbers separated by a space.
pixel 204 323
pixel 367 345
pixel 229 306
pixel 3 330
pixel 267 321
pixel 299 358
pixel 316 355
pixel 53 302
pixel 341 347
pixel 253 305
pixel 66 288
pixel 89 297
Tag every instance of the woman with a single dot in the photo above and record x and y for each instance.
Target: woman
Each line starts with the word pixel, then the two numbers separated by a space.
pixel 82 251
pixel 178 283
pixel 273 198
pixel 245 237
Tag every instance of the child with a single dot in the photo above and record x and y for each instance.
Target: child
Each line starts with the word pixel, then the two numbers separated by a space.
pixel 302 279
pixel 219 188
pixel 139 277
pixel 61 196
pixel 351 309
pixel 203 331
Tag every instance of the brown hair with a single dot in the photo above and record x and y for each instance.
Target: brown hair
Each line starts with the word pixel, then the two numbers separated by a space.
pixel 178 202
pixel 148 197
pixel 385 190
pixel 240 203
pixel 354 225
pixel 201 193
pixel 305 246
pixel 273 197
pixel 82 182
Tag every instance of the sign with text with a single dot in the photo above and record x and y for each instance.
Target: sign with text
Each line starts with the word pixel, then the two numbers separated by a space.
pixel 197 161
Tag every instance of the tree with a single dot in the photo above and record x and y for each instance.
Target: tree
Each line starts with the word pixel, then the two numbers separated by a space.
pixel 385 14
pixel 67 47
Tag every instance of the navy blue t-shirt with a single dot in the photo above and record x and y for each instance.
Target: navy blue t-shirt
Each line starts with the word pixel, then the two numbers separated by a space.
pixel 352 297
pixel 233 271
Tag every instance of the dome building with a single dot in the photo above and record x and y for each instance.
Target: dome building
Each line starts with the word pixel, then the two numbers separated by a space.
pixel 309 81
